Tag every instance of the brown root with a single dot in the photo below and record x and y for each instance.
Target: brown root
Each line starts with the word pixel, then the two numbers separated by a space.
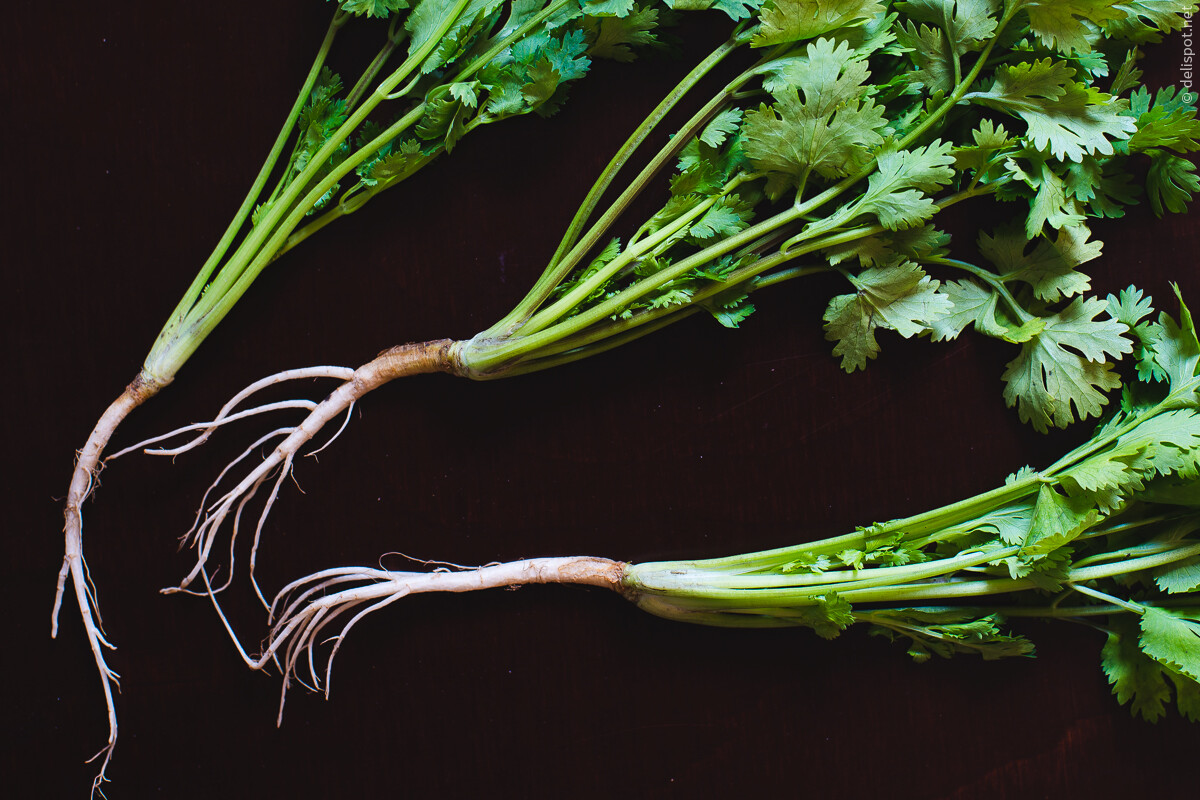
pixel 83 480
pixel 406 360
pixel 305 612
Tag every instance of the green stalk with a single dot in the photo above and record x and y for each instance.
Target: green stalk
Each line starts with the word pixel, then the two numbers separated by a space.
pixel 572 249
pixel 173 348
pixel 179 316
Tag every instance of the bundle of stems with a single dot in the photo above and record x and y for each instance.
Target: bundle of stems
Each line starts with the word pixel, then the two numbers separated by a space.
pixel 463 64
pixel 1107 535
pixel 834 152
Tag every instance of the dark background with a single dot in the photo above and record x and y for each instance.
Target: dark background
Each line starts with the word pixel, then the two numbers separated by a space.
pixel 132 132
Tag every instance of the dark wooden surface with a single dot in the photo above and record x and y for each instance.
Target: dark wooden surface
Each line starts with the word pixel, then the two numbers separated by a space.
pixel 131 134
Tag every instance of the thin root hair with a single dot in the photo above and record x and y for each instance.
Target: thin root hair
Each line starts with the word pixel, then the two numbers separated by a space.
pixel 225 415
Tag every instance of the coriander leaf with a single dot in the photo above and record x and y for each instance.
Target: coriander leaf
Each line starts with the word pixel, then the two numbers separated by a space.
pixel 1064 365
pixel 471 23
pixel 1065 118
pixel 970 304
pixel 1128 75
pixel 1134 676
pixel 830 131
pixel 917 244
pixel 735 9
pixel 394 162
pixel 1177 348
pixel 989 139
pixel 1050 267
pixel 1170 182
pixel 1056 521
pixel 724 218
pixel 784 21
pixel 1064 24
pixel 1101 185
pixel 1010 523
pixel 372 8
pixel 607 8
pixel 1167 122
pixel 1147 20
pixel 895 192
pixel 320 118
pixel 966 23
pixel 1172 638
pixel 425 20
pixel 1051 202
pixel 931 54
pixel 901 298
pixel 1180 577
pixel 615 37
pixel 730 309
pixel 1131 307
pixel 837 614
pixel 723 125
pixel 1187 696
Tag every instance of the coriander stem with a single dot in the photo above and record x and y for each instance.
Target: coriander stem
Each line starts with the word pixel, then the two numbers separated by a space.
pixel 258 249
pixel 572 249
pixel 155 369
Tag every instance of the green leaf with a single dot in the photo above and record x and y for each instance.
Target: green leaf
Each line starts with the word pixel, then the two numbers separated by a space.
pixel 730 309
pixel 616 38
pixel 320 118
pixel 970 304
pixel 1187 696
pixel 931 53
pixel 896 191
pixel 1057 520
pixel 724 125
pixel 1180 577
pixel 901 298
pixel 1134 676
pixel 404 159
pixel 944 632
pixel 1051 203
pixel 989 139
pixel 1065 365
pixel 965 23
pixel 724 218
pixel 372 8
pixel 1148 20
pixel 735 9
pixel 1064 24
pixel 468 27
pixel 1172 638
pixel 786 21
pixel 1102 185
pixel 1177 348
pixel 1128 75
pixel 1167 122
pixel 830 131
pixel 424 21
pixel 1049 268
pixel 837 613
pixel 1131 308
pixel 1065 119
pixel 1170 182
pixel 607 8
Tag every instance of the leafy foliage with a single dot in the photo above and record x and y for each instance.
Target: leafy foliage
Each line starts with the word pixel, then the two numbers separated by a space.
pixel 1108 532
pixel 875 120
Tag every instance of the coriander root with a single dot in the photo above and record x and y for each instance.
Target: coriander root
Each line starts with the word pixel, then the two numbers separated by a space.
pixel 397 362
pixel 303 618
pixel 83 480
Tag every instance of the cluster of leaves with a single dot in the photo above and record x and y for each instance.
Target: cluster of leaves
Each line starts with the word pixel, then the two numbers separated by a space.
pixel 1110 531
pixel 497 60
pixel 875 120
